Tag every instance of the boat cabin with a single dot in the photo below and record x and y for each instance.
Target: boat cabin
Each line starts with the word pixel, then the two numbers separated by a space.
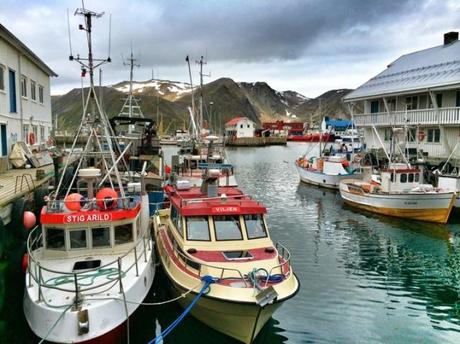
pixel 401 178
pixel 230 220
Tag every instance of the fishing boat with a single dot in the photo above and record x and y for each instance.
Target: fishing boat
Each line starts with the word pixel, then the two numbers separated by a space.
pixel 449 178
pixel 399 191
pixel 90 263
pixel 326 171
pixel 221 232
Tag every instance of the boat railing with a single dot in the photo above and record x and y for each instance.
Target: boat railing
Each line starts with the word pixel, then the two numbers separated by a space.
pixel 87 280
pixel 59 205
pixel 224 272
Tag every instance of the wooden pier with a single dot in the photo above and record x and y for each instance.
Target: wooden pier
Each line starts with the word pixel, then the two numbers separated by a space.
pixel 256 141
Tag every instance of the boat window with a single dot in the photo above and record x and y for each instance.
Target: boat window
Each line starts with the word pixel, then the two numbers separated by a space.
pixel 255 226
pixel 393 179
pixel 193 164
pixel 197 228
pixel 227 227
pixel 123 234
pixel 176 220
pixel 417 177
pixel 77 239
pixel 101 237
pixel 411 178
pixel 403 178
pixel 55 239
pixel 138 226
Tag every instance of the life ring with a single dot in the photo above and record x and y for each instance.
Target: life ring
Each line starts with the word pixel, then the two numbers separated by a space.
pixel 31 138
pixel 421 135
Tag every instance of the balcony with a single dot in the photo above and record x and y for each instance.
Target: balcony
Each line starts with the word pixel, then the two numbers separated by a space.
pixel 445 116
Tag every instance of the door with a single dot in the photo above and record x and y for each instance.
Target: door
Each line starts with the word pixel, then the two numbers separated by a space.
pixel 3 140
pixel 12 89
pixel 374 106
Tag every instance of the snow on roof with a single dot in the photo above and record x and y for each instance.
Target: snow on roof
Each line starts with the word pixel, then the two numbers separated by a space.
pixel 236 120
pixel 434 67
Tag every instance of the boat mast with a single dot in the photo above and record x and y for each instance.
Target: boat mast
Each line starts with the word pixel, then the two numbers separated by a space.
pixel 94 120
pixel 192 110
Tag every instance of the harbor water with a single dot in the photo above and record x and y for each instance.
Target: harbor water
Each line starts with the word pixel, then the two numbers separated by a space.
pixel 364 278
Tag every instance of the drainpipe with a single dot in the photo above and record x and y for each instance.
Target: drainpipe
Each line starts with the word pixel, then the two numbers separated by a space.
pixel 21 115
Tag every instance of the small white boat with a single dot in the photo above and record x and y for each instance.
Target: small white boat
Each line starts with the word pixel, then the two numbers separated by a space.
pixel 326 171
pixel 401 193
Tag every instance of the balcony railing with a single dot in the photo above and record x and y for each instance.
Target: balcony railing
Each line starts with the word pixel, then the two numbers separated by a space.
pixel 444 116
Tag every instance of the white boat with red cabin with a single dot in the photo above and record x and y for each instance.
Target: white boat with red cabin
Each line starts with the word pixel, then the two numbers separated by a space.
pixel 90 262
pixel 221 232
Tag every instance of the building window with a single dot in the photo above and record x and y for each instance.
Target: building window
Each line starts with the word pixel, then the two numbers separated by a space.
pixel 411 135
pixel 2 77
pixel 23 86
pixel 33 92
pixel 457 99
pixel 42 134
pixel 12 90
pixel 241 126
pixel 434 135
pixel 25 133
pixel 374 106
pixel 35 131
pixel 411 103
pixel 40 94
pixel 439 99
pixel 387 133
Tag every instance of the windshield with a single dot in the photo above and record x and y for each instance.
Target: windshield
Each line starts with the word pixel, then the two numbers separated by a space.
pixel 197 228
pixel 228 227
pixel 255 226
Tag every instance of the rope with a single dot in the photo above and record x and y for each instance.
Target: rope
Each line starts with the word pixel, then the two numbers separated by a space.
pixel 110 273
pixel 54 325
pixel 255 278
pixel 208 280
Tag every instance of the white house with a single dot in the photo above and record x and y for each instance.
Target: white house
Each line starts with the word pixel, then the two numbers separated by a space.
pixel 25 100
pixel 416 99
pixel 239 127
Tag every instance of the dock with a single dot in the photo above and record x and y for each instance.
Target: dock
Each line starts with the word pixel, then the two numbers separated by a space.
pixel 256 141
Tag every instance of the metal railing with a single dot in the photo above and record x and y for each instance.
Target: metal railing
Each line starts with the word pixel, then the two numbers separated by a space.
pixel 58 205
pixel 447 115
pixel 114 275
pixel 282 252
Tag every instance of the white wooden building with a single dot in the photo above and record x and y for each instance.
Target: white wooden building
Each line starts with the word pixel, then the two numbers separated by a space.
pixel 416 99
pixel 25 100
pixel 239 127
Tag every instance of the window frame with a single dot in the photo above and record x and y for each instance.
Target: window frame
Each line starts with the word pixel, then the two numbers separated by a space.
pixel 239 227
pixel 2 77
pixel 401 178
pixel 23 86
pixel 33 90
pixel 46 239
pixel 69 247
pixel 41 95
pixel 110 237
pixel 131 224
pixel 261 217
pixel 187 232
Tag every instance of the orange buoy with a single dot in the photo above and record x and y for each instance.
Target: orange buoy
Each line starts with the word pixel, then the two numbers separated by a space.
pixel 106 198
pixel 25 262
pixel 29 220
pixel 74 201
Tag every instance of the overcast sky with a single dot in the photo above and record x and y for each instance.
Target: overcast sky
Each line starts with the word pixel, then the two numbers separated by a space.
pixel 308 46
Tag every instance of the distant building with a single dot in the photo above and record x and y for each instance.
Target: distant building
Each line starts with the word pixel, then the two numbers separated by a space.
pixel 240 127
pixel 25 100
pixel 284 128
pixel 418 95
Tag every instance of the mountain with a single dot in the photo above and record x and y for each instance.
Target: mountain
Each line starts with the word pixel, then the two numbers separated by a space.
pixel 223 99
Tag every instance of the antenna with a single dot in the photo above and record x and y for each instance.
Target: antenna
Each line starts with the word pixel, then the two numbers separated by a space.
pixel 201 62
pixel 70 39
pixel 110 36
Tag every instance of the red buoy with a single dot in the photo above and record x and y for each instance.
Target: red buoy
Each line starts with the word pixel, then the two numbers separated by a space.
pixel 167 169
pixel 106 198
pixel 25 262
pixel 29 220
pixel 73 201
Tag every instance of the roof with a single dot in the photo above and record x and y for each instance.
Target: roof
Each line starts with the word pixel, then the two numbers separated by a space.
pixel 193 202
pixel 236 120
pixel 16 43
pixel 434 67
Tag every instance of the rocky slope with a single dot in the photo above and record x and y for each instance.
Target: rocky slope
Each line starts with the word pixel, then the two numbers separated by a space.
pixel 223 100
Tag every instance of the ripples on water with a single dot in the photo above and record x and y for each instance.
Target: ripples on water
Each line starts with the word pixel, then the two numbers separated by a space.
pixel 364 278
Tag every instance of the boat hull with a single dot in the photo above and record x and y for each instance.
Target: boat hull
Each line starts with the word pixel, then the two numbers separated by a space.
pixel 237 320
pixel 322 179
pixel 430 207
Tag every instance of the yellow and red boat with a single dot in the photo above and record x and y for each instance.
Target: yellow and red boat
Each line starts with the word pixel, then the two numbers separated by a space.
pixel 221 232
